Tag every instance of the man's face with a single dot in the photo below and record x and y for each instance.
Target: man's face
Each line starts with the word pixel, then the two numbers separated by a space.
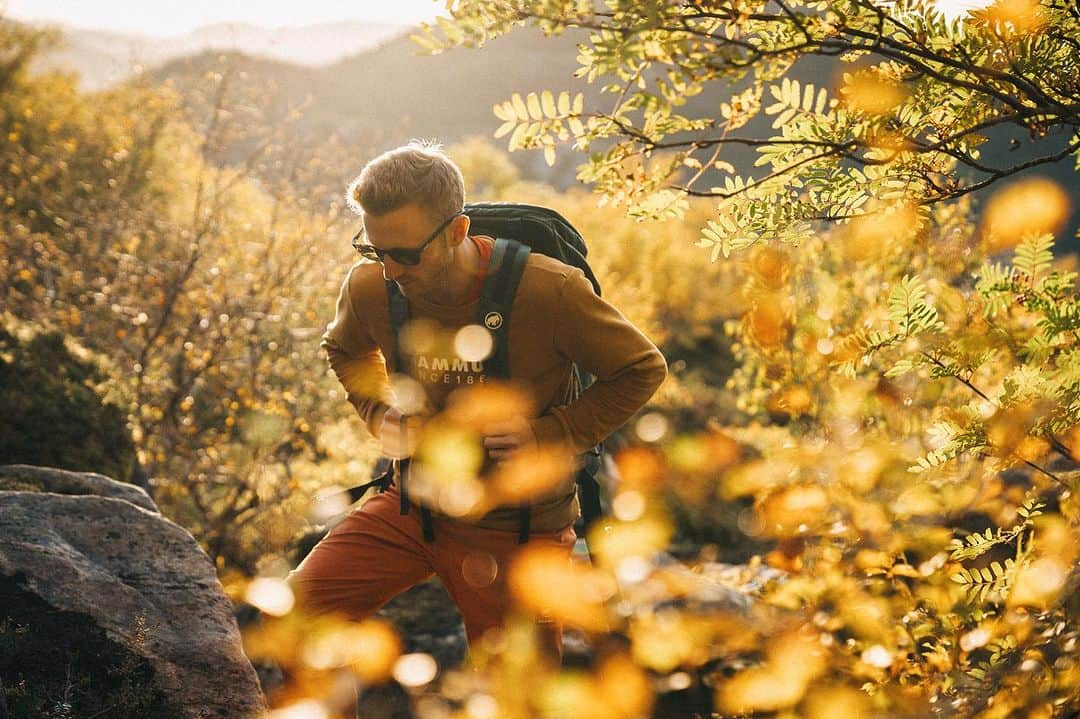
pixel 408 227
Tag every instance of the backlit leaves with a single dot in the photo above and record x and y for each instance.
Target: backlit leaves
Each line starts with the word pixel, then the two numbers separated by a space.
pixel 540 120
pixel 905 117
pixel 909 309
pixel 793 98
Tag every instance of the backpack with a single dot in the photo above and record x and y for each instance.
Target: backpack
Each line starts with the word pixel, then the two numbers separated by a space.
pixel 518 229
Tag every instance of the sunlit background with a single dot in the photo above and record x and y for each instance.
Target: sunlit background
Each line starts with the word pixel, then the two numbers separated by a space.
pixel 842 470
pixel 956 8
pixel 168 19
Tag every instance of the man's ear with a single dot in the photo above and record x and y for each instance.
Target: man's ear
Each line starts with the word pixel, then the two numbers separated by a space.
pixel 459 230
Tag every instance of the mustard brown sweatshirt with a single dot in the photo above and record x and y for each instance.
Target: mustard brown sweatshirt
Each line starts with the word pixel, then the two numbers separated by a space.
pixel 556 320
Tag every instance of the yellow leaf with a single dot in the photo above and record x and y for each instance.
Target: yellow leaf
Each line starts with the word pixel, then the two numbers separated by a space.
pixel 547 102
pixel 519 107
pixel 500 111
pixel 505 128
pixel 517 140
pixel 564 103
pixel 533 104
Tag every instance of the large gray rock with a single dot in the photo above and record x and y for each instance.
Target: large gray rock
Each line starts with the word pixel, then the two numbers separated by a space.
pixel 112 577
pixel 28 478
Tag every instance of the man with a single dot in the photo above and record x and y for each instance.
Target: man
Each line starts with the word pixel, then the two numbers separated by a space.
pixel 416 236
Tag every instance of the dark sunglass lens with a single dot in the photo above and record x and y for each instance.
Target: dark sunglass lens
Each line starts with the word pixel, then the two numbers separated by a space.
pixel 405 257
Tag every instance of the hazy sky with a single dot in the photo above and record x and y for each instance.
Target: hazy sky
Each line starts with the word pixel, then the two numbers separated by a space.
pixel 164 17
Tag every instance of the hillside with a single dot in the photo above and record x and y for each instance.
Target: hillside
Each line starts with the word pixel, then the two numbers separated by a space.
pixel 390 94
pixel 102 58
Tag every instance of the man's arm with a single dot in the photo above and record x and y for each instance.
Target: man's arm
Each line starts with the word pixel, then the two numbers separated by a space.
pixel 627 366
pixel 356 360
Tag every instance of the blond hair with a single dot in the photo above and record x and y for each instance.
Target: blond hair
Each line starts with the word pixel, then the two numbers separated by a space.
pixel 418 172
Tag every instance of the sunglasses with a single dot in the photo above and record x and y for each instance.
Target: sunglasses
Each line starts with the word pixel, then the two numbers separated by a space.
pixel 401 255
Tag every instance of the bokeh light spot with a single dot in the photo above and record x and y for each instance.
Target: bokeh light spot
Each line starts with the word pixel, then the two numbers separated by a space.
pixel 329 503
pixel 633 570
pixel 306 709
pixel 461 497
pixel 270 595
pixel 652 427
pixel 1028 207
pixel 479 569
pixel 415 670
pixel 473 343
pixel 679 681
pixel 418 336
pixel 877 656
pixel 546 582
pixel 628 505
pixel 974 639
pixel 482 706
pixel 409 395
pixel 871 93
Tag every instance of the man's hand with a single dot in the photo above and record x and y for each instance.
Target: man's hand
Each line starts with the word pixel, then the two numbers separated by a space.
pixel 503 439
pixel 399 440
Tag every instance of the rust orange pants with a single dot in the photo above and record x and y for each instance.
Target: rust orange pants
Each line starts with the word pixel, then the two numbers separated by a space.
pixel 376 553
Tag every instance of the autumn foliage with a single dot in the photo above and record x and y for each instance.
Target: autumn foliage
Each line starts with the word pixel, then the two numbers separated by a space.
pixel 855 496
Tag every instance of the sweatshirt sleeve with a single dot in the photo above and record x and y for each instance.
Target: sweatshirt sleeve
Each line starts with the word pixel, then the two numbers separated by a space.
pixel 627 366
pixel 356 359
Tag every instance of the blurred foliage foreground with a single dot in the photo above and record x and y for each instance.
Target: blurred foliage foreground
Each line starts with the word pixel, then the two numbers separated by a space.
pixel 899 431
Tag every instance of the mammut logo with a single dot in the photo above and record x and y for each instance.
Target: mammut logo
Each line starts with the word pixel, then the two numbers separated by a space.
pixel 493 320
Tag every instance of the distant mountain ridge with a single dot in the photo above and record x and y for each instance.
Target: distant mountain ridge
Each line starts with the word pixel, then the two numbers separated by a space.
pixel 103 58
pixel 391 93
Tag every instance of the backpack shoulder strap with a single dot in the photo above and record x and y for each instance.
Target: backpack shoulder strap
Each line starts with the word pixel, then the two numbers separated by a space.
pixel 497 299
pixel 399 317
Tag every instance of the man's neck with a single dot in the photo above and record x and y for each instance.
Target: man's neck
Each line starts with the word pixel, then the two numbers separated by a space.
pixel 460 276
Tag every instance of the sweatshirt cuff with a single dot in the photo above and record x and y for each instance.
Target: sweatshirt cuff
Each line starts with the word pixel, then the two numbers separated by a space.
pixel 375 418
pixel 549 430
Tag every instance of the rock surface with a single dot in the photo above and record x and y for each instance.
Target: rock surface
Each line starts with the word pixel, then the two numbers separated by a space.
pixel 101 559
pixel 28 478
